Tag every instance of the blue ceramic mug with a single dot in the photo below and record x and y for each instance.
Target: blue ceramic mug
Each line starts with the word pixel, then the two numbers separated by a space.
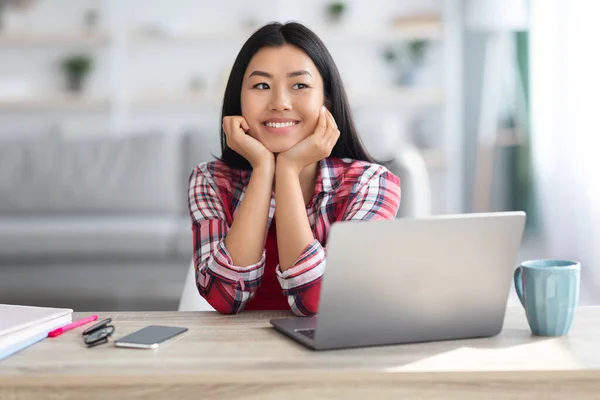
pixel 549 292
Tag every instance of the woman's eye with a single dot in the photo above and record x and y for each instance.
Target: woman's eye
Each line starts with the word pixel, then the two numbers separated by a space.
pixel 300 86
pixel 260 86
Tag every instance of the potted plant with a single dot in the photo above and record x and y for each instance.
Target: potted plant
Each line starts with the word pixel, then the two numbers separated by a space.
pixel 416 51
pixel 335 10
pixel 407 59
pixel 76 69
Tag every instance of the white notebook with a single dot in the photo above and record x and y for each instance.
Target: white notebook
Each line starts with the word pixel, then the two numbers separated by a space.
pixel 15 317
pixel 22 326
pixel 16 341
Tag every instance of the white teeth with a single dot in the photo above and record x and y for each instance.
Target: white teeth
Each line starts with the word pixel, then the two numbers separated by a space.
pixel 279 124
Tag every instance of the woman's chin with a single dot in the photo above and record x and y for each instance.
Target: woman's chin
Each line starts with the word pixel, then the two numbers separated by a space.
pixel 278 148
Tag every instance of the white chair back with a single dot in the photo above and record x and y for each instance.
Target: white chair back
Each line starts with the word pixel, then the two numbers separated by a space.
pixel 190 298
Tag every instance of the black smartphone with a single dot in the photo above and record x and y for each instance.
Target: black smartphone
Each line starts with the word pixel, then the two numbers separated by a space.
pixel 149 337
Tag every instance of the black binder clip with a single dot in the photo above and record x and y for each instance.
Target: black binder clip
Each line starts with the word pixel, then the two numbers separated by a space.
pixel 99 333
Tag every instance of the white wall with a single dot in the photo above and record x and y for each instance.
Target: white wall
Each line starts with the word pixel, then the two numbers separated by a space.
pixel 127 71
pixel 151 68
pixel 565 128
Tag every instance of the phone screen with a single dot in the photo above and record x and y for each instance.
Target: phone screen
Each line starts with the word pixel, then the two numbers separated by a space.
pixel 150 336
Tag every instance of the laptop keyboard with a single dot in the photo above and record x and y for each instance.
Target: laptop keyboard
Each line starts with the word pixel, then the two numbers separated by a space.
pixel 310 333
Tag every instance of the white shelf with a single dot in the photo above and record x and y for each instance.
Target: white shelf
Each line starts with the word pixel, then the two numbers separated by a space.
pixel 430 31
pixel 424 31
pixel 408 97
pixel 61 40
pixel 400 97
pixel 67 103
pixel 178 102
pixel 141 38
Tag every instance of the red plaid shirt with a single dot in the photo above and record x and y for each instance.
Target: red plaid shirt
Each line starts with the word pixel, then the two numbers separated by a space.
pixel 345 190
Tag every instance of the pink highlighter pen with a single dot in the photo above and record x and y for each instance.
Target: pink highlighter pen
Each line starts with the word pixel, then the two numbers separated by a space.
pixel 72 325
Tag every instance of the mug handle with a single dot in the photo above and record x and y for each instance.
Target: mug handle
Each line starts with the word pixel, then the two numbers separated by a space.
pixel 518 279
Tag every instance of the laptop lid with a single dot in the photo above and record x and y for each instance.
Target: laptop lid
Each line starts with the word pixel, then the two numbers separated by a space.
pixel 413 280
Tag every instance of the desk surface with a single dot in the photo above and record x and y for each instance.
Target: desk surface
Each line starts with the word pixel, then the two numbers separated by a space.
pixel 237 356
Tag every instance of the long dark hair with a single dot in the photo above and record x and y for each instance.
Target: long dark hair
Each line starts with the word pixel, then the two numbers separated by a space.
pixel 275 34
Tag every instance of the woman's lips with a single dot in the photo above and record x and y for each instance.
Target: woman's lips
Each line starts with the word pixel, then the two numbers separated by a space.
pixel 274 126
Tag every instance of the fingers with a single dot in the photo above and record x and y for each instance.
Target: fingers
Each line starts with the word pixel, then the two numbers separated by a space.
pixel 333 138
pixel 321 122
pixel 227 125
pixel 244 124
pixel 231 123
pixel 326 134
pixel 331 120
pixel 333 133
pixel 233 126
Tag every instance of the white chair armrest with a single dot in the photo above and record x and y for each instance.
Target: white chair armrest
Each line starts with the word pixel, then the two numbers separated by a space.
pixel 190 298
pixel 415 183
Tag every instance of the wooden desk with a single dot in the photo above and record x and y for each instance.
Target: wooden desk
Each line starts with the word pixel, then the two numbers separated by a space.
pixel 242 357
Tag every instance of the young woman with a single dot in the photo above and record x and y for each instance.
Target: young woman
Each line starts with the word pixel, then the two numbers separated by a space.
pixel 292 164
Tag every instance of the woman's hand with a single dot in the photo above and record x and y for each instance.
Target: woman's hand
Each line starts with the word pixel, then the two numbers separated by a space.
pixel 236 128
pixel 315 147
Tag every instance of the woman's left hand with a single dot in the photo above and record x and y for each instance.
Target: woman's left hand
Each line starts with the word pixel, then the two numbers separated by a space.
pixel 315 147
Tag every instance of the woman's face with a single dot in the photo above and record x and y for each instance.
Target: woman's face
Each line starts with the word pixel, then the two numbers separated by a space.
pixel 282 93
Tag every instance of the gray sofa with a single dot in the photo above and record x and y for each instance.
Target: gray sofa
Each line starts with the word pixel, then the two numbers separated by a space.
pixel 89 213
pixel 101 222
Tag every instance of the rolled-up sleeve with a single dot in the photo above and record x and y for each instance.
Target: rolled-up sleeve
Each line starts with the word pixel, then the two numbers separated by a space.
pixel 301 283
pixel 226 287
pixel 374 197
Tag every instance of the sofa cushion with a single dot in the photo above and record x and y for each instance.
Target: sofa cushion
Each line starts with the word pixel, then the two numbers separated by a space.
pixel 88 236
pixel 183 239
pixel 198 146
pixel 99 175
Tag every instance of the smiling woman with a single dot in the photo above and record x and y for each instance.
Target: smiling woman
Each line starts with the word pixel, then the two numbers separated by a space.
pixel 281 104
pixel 292 164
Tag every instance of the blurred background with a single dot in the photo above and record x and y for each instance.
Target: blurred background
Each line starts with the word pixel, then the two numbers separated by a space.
pixel 107 105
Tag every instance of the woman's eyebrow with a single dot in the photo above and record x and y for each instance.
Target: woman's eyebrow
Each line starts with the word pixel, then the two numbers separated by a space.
pixel 298 73
pixel 290 75
pixel 260 73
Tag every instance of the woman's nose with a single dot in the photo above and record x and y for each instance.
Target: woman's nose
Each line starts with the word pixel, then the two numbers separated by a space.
pixel 280 101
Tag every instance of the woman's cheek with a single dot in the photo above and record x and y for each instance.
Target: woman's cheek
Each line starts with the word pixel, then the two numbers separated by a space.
pixel 314 120
pixel 254 131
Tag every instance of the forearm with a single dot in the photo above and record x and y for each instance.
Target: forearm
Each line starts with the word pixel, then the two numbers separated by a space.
pixel 246 237
pixel 293 229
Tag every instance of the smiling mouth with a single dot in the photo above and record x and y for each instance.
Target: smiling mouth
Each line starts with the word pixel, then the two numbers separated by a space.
pixel 281 124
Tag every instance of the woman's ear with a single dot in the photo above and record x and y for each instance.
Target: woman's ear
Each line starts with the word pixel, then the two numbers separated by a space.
pixel 327 103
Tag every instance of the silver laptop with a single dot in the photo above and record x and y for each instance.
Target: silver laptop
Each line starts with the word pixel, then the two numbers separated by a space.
pixel 413 280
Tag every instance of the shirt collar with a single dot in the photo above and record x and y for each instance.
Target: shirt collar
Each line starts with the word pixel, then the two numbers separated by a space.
pixel 327 176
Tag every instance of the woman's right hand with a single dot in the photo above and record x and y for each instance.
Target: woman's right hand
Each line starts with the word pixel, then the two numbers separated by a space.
pixel 235 128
